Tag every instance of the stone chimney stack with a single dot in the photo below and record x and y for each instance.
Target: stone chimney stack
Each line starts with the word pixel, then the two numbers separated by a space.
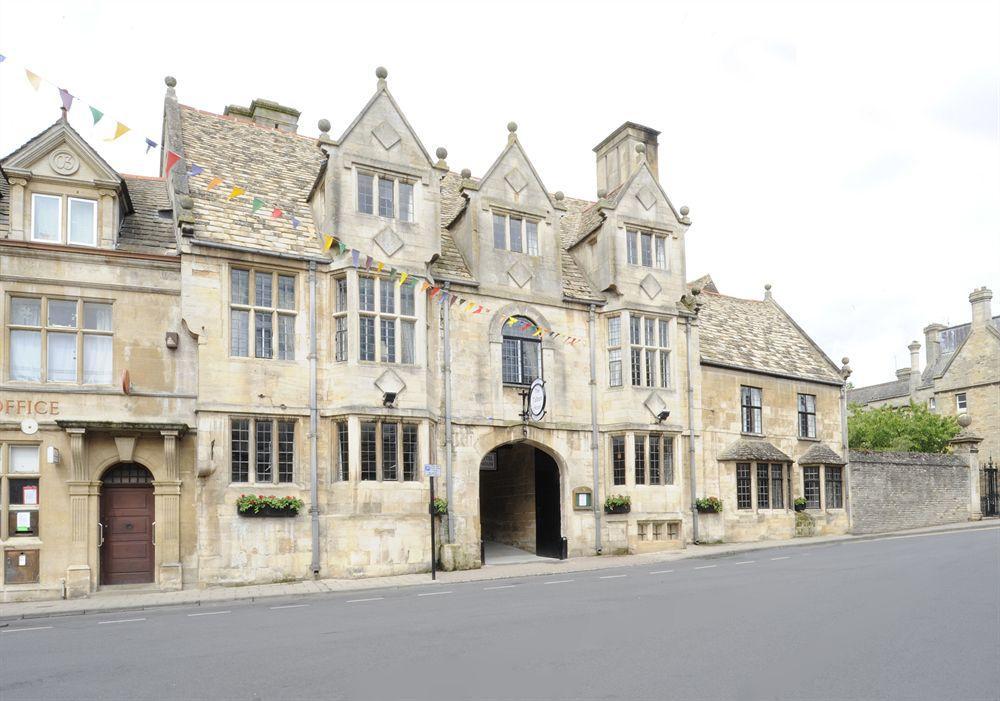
pixel 266 113
pixel 617 155
pixel 932 343
pixel 982 310
pixel 914 365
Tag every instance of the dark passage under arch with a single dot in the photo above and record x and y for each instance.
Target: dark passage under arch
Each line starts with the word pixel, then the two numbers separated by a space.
pixel 519 500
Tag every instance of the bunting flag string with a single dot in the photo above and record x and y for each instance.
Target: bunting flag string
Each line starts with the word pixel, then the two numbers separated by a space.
pixel 274 211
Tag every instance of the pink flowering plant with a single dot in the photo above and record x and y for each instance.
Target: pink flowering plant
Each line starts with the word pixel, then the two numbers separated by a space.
pixel 256 502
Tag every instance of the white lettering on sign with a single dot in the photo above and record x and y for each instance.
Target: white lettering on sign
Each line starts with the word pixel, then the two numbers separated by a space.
pixel 29 407
pixel 432 470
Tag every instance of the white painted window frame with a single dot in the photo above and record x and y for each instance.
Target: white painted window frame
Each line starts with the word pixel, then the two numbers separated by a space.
pixel 35 196
pixel 69 222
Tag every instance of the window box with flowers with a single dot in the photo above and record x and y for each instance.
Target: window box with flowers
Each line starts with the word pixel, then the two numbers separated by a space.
pixel 800 504
pixel 708 505
pixel 260 505
pixel 618 504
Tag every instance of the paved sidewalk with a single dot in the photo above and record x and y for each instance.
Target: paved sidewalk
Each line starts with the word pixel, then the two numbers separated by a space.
pixel 139 600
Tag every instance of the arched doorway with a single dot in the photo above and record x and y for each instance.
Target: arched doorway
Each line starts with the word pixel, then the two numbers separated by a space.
pixel 519 502
pixel 127 516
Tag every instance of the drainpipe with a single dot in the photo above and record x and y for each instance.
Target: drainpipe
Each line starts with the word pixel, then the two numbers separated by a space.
pixel 446 310
pixel 691 467
pixel 594 437
pixel 845 372
pixel 313 423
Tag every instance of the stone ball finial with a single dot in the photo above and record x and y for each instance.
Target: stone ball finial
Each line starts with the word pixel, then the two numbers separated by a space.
pixel 685 210
pixel 466 173
pixel 964 420
pixel 511 127
pixel 381 73
pixel 767 287
pixel 559 195
pixel 324 125
pixel 845 360
pixel 602 193
pixel 186 202
pixel 640 148
pixel 170 81
pixel 441 153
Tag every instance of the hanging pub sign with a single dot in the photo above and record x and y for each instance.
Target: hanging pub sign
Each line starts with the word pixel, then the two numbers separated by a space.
pixel 534 399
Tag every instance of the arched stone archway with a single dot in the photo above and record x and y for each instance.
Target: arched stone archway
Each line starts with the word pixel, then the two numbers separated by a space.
pixel 520 497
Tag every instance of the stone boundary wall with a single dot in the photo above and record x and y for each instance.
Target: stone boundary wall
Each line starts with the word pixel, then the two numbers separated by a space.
pixel 893 491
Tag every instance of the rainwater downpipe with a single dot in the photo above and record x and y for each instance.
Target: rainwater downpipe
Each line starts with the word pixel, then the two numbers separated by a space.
pixel 594 436
pixel 446 310
pixel 313 423
pixel 690 412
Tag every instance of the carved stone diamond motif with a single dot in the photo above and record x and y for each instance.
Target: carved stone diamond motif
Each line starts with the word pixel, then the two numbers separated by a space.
pixel 650 286
pixel 389 381
pixel 519 273
pixel 646 197
pixel 386 135
pixel 389 241
pixel 516 180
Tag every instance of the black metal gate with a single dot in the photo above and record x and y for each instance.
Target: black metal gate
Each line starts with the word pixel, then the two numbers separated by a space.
pixel 988 489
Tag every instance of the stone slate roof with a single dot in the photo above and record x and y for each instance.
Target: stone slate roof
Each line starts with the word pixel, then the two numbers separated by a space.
pixel 276 166
pixel 819 454
pixel 145 231
pixel 877 393
pixel 760 337
pixel 704 283
pixel 579 215
pixel 753 450
pixel 452 264
pixel 916 459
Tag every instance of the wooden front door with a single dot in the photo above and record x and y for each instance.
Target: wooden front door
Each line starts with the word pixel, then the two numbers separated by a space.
pixel 127 520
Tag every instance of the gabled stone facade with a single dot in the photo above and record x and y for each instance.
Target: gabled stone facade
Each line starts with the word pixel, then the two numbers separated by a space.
pixel 262 362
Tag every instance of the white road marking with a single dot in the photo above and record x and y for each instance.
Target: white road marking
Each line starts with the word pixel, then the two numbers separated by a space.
pixel 121 620
pixel 374 598
pixel 705 567
pixel 434 593
pixel 745 562
pixel 613 576
pixel 287 606
pixel 780 558
pixel 505 586
pixel 661 572
pixel 558 581
pixel 21 630
pixel 206 613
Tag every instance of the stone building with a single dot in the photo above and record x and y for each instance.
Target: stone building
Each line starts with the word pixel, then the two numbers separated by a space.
pixel 961 373
pixel 221 348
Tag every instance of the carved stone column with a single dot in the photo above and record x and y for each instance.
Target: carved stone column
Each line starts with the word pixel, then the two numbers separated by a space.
pixel 83 521
pixel 167 496
pixel 106 225
pixel 966 444
pixel 17 222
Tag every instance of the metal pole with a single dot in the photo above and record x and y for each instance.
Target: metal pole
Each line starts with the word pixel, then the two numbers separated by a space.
pixel 691 466
pixel 594 436
pixel 450 485
pixel 433 543
pixel 313 423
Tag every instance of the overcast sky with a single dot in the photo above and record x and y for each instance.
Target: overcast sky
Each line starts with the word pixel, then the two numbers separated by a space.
pixel 847 153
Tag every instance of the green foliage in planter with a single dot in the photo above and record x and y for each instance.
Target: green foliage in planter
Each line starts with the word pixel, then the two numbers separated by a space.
pixel 912 428
pixel 709 504
pixel 800 501
pixel 254 503
pixel 616 501
pixel 440 506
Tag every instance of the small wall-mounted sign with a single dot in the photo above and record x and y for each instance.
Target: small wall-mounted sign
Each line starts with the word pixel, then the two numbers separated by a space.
pixel 432 470
pixel 489 462
pixel 583 498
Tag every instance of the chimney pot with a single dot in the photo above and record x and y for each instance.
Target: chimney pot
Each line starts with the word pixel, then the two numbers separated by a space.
pixel 623 151
pixel 980 299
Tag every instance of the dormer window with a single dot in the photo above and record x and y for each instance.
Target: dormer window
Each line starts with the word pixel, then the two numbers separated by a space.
pixel 515 233
pixel 47 220
pixel 395 196
pixel 646 249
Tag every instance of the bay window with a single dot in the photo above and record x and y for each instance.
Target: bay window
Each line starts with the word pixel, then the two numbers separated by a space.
pixel 615 351
pixel 386 312
pixel 649 338
pixel 389 451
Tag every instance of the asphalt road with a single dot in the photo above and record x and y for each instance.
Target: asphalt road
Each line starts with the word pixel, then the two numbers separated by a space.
pixel 914 617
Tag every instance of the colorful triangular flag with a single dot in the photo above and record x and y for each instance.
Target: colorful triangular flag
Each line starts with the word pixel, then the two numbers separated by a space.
pixel 150 144
pixel 275 213
pixel 214 182
pixel 33 78
pixel 67 99
pixel 195 170
pixel 295 222
pixel 256 204
pixel 172 159
pixel 2 58
pixel 354 257
pixel 368 262
pixel 96 113
pixel 378 268
pixel 402 278
pixel 327 242
pixel 341 248
pixel 120 129
pixel 237 191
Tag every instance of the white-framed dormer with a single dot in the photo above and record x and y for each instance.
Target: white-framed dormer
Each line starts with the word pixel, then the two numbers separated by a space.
pixel 63 219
